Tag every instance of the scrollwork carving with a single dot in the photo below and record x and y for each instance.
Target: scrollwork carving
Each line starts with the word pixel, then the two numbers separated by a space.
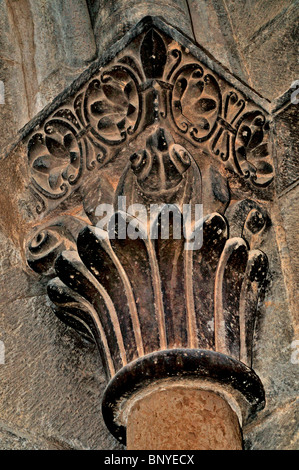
pixel 55 158
pixel 152 80
pixel 112 106
pixel 48 240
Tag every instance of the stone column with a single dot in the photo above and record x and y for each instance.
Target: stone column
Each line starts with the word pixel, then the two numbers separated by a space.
pixel 182 399
pixel 182 418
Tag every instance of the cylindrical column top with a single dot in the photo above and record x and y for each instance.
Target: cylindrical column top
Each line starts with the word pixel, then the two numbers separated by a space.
pixel 183 419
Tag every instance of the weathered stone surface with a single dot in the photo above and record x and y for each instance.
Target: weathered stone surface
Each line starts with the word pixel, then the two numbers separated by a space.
pixel 14 112
pixel 115 18
pixel 52 381
pixel 286 162
pixel 288 228
pixel 286 139
pixel 12 439
pixel 40 55
pixel 275 431
pixel 213 31
pixel 266 33
pixel 183 419
pixel 251 18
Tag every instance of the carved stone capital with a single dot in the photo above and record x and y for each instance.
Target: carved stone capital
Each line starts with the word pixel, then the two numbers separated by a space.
pixel 158 124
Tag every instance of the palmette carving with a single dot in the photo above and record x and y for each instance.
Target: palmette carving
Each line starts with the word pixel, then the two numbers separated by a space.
pixel 111 105
pixel 152 80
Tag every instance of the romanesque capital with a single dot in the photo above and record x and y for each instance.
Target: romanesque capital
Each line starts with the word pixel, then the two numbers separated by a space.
pixel 150 180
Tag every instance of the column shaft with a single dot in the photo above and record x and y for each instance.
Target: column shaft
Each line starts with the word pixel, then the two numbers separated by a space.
pixel 183 419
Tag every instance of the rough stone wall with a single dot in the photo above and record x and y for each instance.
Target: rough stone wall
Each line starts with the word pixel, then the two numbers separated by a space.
pixel 43 47
pixel 52 381
pixel 256 40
